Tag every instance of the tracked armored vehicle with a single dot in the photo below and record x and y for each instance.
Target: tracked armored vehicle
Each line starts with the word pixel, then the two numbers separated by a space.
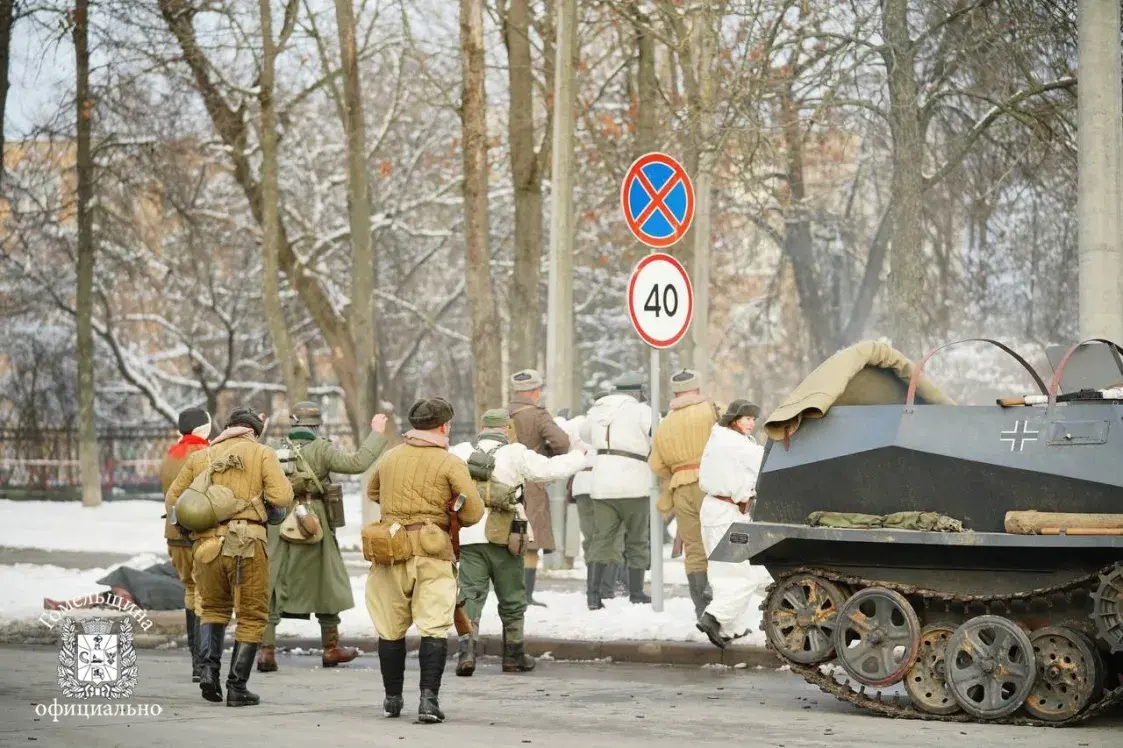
pixel 983 624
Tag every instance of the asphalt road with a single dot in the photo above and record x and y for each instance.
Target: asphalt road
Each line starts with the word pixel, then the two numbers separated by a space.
pixel 566 705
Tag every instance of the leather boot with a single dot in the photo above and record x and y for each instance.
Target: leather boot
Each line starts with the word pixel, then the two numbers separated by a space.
pixel 267 659
pixel 608 582
pixel 431 658
pixel 213 637
pixel 618 574
pixel 594 575
pixel 635 587
pixel 515 658
pixel 531 576
pixel 241 665
pixel 333 653
pixel 392 663
pixel 466 657
pixel 193 644
pixel 699 584
pixel 709 626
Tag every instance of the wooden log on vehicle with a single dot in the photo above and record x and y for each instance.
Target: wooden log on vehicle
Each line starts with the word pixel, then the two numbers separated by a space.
pixel 1034 523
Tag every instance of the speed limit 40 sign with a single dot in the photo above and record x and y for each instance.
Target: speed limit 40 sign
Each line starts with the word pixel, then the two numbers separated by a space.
pixel 660 300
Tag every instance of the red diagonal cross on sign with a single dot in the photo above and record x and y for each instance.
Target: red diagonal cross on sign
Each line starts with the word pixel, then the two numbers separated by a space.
pixel 658 199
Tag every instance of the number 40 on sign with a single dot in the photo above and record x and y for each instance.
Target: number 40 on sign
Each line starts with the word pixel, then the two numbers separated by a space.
pixel 660 300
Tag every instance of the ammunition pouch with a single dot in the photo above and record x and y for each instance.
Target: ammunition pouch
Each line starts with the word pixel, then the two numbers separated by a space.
pixel 207 549
pixel 239 539
pixel 434 541
pixel 386 544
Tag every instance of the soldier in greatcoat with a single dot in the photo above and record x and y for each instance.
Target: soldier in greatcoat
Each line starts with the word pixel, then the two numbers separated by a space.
pixel 308 578
pixel 535 428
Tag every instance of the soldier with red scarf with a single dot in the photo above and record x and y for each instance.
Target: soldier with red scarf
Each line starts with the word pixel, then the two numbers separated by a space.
pixel 195 427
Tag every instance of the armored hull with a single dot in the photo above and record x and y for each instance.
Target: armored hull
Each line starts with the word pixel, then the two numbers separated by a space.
pixel 981 624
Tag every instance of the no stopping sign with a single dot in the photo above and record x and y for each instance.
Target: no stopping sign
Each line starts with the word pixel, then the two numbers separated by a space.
pixel 660 300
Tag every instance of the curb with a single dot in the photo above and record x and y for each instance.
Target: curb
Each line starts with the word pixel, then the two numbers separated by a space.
pixel 167 633
pixel 569 650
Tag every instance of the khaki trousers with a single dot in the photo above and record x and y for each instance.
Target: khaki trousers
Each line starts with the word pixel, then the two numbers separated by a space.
pixel 217 583
pixel 688 503
pixel 183 559
pixel 419 592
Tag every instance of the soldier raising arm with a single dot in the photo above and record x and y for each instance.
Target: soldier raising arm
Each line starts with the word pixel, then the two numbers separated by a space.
pixel 311 577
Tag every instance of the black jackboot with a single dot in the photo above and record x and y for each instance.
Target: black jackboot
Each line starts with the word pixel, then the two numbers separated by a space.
pixel 635 587
pixel 241 665
pixel 193 643
pixel 212 639
pixel 392 662
pixel 608 582
pixel 594 576
pixel 700 592
pixel 466 657
pixel 431 658
pixel 709 626
pixel 531 576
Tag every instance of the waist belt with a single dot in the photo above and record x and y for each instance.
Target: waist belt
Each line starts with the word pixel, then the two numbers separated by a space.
pixel 247 521
pixel 683 468
pixel 622 453
pixel 743 508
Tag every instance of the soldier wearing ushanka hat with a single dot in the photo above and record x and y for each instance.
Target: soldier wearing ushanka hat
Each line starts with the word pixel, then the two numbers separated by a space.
pixel 416 484
pixel 534 427
pixel 676 455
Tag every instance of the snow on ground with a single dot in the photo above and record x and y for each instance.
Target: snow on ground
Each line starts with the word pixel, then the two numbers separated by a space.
pixel 114 527
pixel 134 526
pixel 565 617
pixel 23 586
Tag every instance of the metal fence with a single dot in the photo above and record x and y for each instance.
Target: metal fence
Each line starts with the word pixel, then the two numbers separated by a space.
pixel 42 464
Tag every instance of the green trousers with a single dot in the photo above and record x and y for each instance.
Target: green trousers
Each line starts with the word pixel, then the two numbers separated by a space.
pixel 610 516
pixel 586 521
pixel 485 564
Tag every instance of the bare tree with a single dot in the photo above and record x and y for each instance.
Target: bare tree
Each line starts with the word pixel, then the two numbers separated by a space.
pixel 292 368
pixel 527 165
pixel 83 102
pixel 482 312
pixel 362 313
pixel 7 19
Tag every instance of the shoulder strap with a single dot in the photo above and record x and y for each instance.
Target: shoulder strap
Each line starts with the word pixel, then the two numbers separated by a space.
pixel 296 450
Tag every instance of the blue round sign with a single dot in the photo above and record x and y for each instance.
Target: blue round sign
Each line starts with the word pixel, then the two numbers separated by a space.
pixel 657 198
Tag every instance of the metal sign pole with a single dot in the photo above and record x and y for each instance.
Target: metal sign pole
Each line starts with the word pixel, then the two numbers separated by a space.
pixel 656 518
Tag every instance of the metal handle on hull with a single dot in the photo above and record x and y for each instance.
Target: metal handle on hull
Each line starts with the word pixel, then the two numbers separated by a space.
pixel 920 366
pixel 1055 385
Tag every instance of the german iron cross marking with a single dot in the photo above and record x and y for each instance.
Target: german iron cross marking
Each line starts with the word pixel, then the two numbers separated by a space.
pixel 1019 436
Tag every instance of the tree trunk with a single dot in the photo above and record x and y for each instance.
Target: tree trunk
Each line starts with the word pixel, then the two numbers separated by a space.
pixel 7 12
pixel 362 317
pixel 292 368
pixel 797 232
pixel 907 270
pixel 527 179
pixel 87 436
pixel 482 313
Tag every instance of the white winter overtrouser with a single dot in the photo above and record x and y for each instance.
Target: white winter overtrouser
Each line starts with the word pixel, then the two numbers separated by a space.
pixel 738 588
